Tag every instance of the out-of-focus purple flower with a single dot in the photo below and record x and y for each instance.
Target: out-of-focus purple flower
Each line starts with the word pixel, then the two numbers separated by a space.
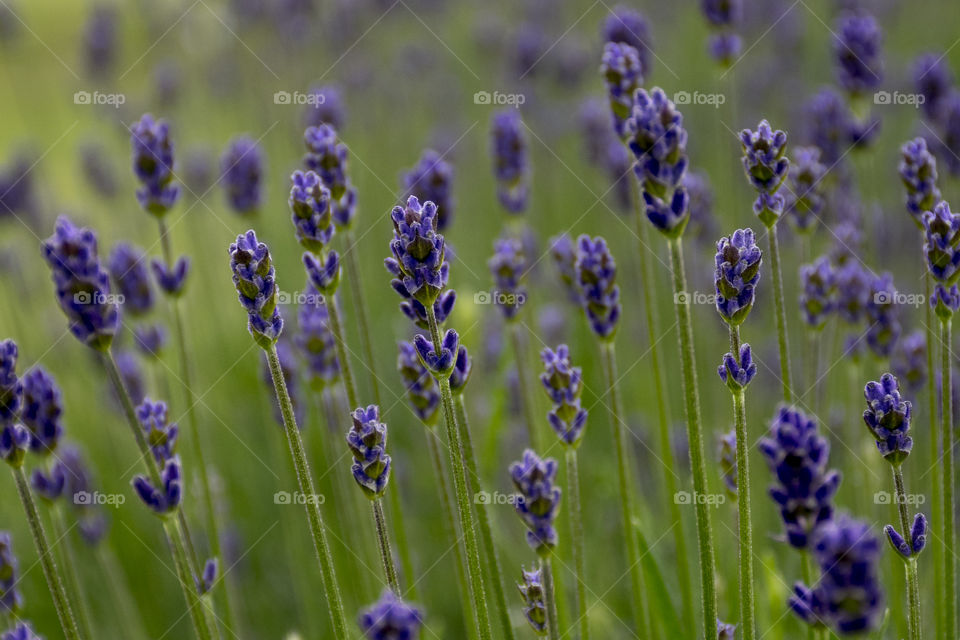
pixel 628 26
pixel 884 327
pixel 539 499
pixel 594 122
pixel 14 440
pixel 853 291
pixel 511 166
pixel 166 498
pixel 367 440
pixel 534 601
pixel 21 631
pixel 888 418
pixel 100 40
pixel 316 341
pixel 766 165
pixel 418 251
pixel 508 265
pixel 564 383
pixel 945 300
pixel 167 83
pixel 942 243
pixel 736 275
pixel 160 436
pixel 909 360
pixel 171 278
pixel 99 172
pixel 857 47
pixel 41 410
pixel 700 205
pixel 805 197
pixel 737 372
pixel 728 461
pixel 722 16
pixel 323 272
pixel 804 488
pixel 309 203
pixel 150 339
pixel 422 392
pixel 947 144
pixel 18 188
pixel 461 371
pixel 933 80
pixel 918 171
pixel 132 376
pixel 530 45
pixel 431 179
pixel 596 274
pixel 324 107
pixel 153 165
pixel 327 157
pixel 818 298
pixel 206 580
pixel 442 363
pixel 11 600
pixel 127 265
pixel 564 255
pixel 11 387
pixel 255 280
pixel 82 284
pixel 726 631
pixel 830 125
pixel 241 171
pixel 390 618
pixel 49 485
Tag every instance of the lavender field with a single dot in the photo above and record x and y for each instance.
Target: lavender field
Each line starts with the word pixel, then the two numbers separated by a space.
pixel 434 319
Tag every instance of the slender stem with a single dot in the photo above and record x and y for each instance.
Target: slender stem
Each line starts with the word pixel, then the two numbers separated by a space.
pixel 194 605
pixel 400 531
pixel 130 620
pixel 336 328
pixel 526 399
pixel 54 581
pixel 458 462
pixel 353 273
pixel 623 473
pixel 781 313
pixel 305 482
pixel 69 563
pixel 806 571
pixel 648 286
pixel 913 584
pixel 383 540
pixel 553 623
pixel 708 589
pixel 576 524
pixel 935 438
pixel 494 573
pixel 949 508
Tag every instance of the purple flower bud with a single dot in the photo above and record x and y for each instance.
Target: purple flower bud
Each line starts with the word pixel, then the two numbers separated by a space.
pixel 831 126
pixel 153 165
pixel 255 281
pixel 766 165
pixel 150 339
pixel 622 72
pixel 918 171
pixel 326 108
pixel 241 168
pixel 853 291
pixel 884 327
pixel 327 157
pixel 564 383
pixel 722 16
pixel 309 203
pixel 461 371
pixel 160 436
pixel 317 342
pixel 11 387
pixel 736 275
pixel 888 418
pixel 628 26
pixel 439 364
pixel 596 281
pixel 942 245
pixel 166 498
pixel 564 255
pixel 367 440
pixel 42 409
pixel 726 631
pixel 857 47
pixel 737 375
pixel 918 533
pixel 510 163
pixel 945 301
pixel 132 376
pixel 422 392
pixel 819 296
pixel 725 47
pixel 933 80
pixel 49 485
pixel 534 602
pixel 432 180
pixel 171 278
pixel 909 361
pixel 323 273
pixel 128 268
pixel 538 500
pixel 418 251
pixel 656 135
pixel 896 541
pixel 205 582
pixel 390 618
pixel 100 40
pixel 805 200
pixel 508 265
pixel 728 461
pixel 11 600
pixel 22 631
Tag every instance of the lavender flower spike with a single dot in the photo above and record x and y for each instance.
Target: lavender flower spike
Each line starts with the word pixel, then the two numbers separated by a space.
pixel 128 267
pixel 171 278
pixel 11 601
pixel 391 619
pixel 535 608
pixel 596 280
pixel 164 499
pixel 738 374
pixel 628 26
pixel 934 81
pixel 422 392
pixel 726 631
pixel 161 436
pixel 432 180
pixel 805 200
pixel 722 15
pixel 153 165
pixel 539 499
pixel 461 371
pixel 309 203
pixel 819 297
pixel 367 440
pixel 42 408
pixel 736 275
pixel 510 163
pixel 254 278
pixel 909 361
pixel 443 363
pixel 317 342
pixel 11 387
pixel 82 284
pixel 918 171
pixel 942 246
pixel 766 165
pixel 622 72
pixel 564 383
pixel 418 251
pixel 888 418
pixel 857 48
pixel 508 266
pixel 327 157
pixel 241 166
pixel 905 548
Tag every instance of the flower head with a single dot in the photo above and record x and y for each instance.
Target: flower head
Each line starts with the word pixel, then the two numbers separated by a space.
pixel 367 440
pixel 241 166
pixel 736 275
pixel 150 339
pixel 316 341
pixel 857 49
pixel 909 361
pixel 510 163
pixel 819 296
pixel 832 128
pixel 128 267
pixel 933 80
pixel 628 26
pixel 884 329
pixel 153 165
pixel 11 600
pixel 853 291
pixel 539 499
pixel 418 251
pixel 888 418
pixel 722 16
pixel 622 73
pixel 166 498
pixel 413 308
pixel 42 408
pixel 737 374
pixel 49 485
pixel 945 301
pixel 442 363
pixel 461 371
pixel 309 203
pixel 766 165
pixel 11 387
pixel 326 108
pixel 726 631
pixel 564 255
pixel 391 619
pixel 805 200
pixel 534 602
pixel 912 546
pixel 431 179
pixel 323 272
pixel 160 436
pixel 596 280
pixel 422 392
pixel 508 266
pixel 171 278
pixel 918 171
pixel 942 247
pixel 255 281
pixel 327 157
pixel 564 384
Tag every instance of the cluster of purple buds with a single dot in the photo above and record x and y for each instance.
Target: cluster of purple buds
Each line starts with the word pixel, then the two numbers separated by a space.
pixel 508 266
pixel 848 597
pixel 422 392
pixel 41 410
pixel 918 171
pixel 628 26
pixel 309 204
pixel 153 165
pixel 150 339
pixel 441 364
pixel 391 619
pixel 317 342
pixel 564 255
pixel 462 368
pixel 431 179
pixel 934 81
pixel 884 327
pixel 241 166
pixel 11 599
pixel 161 438
pixel 164 499
pixel 831 127
pixel 766 165
pixel 367 440
pixel 534 600
pixel 888 418
pixel 255 280
pixel 412 308
pixel 805 200
pixel 737 371
pixel 171 278
pixel 622 73
pixel 511 167
pixel 728 461
pixel 658 140
pixel 128 267
pixel 726 631
pixel 857 47
pixel 797 456
pixel 82 284
pixel 22 631
pixel 736 275
pixel 131 374
pixel 910 547
pixel 326 108
pixel 722 15
pixel 909 361
pixel 853 291
pixel 68 475
pixel 538 500
pixel 206 580
pixel 942 250
pixel 564 384
pixel 100 42
pixel 596 275
pixel 14 438
pixel 818 298
pixel 327 157
pixel 418 251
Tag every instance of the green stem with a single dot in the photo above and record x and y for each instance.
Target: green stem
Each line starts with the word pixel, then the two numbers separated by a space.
pixel 494 573
pixel 195 607
pixel 806 571
pixel 305 482
pixel 745 518
pixel 336 328
pixel 353 273
pixel 708 588
pixel 913 582
pixel 69 563
pixel 403 547
pixel 648 286
pixel 458 462
pixel 553 624
pixel 936 516
pixel 576 524
pixel 61 601
pixel 623 474
pixel 130 620
pixel 526 399
pixel 949 508
pixel 383 540
pixel 781 313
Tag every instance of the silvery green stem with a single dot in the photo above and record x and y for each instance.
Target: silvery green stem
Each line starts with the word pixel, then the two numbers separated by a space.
pixel 553 623
pixel 806 571
pixel 61 601
pixel 949 508
pixel 458 462
pixel 195 607
pixel 708 588
pixel 336 328
pixel 383 541
pixel 936 514
pixel 913 580
pixel 305 483
pixel 69 563
pixel 526 399
pixel 748 612
pixel 781 313
pixel 648 286
pixel 608 353
pixel 494 574
pixel 576 525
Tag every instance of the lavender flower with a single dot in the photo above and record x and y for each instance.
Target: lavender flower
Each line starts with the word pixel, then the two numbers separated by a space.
pixel 327 157
pixel 326 108
pixel 49 485
pixel 241 168
pixel 884 328
pixel 918 171
pixel 508 266
pixel 738 372
pixel 933 80
pixel 254 279
pixel 11 387
pixel 819 296
pixel 728 461
pixel 564 255
pixel 535 607
pixel 41 410
pixel 596 281
pixel 857 49
pixel 726 631
pixel 367 440
pixel 317 342
pixel 909 361
pixel 442 363
pixel 323 272
pixel 628 26
pixel 853 291
pixel 206 580
pixel 797 456
pixel 766 165
pixel 418 251
pixel 805 199
pixel 82 284
pixel 942 233
pixel 422 392
pixel 622 72
pixel 722 15
pixel 831 126
pixel 888 418
pixel 736 275
pixel 160 436
pixel 150 339
pixel 412 308
pixel 164 499
pixel 128 267
pixel 391 619
pixel 171 278
pixel 917 541
pixel 510 164
pixel 945 300
pixel 11 600
pixel 564 384
pixel 538 500
pixel 461 371
pixel 309 202
pixel 432 180
pixel 153 165
pixel 22 631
